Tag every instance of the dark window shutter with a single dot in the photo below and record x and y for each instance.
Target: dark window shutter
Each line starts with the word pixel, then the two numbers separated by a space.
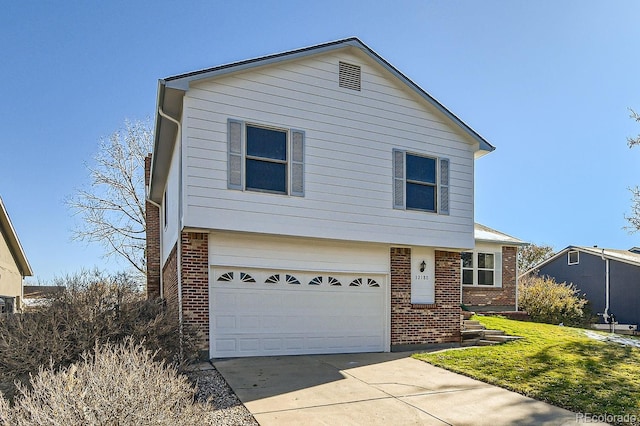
pixel 398 179
pixel 444 186
pixel 297 163
pixel 234 161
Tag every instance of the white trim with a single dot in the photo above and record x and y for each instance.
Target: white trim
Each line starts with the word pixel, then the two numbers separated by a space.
pixel 497 269
pixel 569 253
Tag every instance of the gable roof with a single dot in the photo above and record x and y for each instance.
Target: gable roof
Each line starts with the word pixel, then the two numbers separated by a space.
pixel 6 228
pixel 488 235
pixel 171 89
pixel 624 256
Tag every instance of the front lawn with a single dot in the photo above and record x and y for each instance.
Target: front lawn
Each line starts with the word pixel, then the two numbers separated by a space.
pixel 559 365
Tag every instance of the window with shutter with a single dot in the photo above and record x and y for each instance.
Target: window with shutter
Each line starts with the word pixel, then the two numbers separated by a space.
pixel 265 159
pixel 420 182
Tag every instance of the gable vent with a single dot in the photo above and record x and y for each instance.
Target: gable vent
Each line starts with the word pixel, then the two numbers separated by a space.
pixel 349 76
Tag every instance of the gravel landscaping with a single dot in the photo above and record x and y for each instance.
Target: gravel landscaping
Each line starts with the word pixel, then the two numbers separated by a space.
pixel 226 408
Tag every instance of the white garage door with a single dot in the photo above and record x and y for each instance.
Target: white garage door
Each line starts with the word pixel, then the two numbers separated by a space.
pixel 271 312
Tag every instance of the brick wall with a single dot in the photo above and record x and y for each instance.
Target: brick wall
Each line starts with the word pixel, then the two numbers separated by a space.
pixel 499 297
pixel 425 324
pixel 195 285
pixel 170 280
pixel 152 218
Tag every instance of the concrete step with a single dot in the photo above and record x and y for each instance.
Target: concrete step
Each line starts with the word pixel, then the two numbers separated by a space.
pixel 471 322
pixel 483 342
pixel 493 332
pixel 473 327
pixel 469 342
pixel 501 338
pixel 472 332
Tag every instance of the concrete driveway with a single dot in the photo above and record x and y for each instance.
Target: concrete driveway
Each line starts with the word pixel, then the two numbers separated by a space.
pixel 375 389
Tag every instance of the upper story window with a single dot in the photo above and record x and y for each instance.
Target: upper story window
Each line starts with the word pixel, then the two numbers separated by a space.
pixel 573 257
pixel 265 159
pixel 420 182
pixel 481 269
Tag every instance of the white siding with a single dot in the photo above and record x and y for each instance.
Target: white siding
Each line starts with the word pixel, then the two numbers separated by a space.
pixel 169 233
pixel 348 169
pixel 242 250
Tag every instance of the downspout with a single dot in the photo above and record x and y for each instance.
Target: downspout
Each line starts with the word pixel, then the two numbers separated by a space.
pixel 606 287
pixel 179 243
pixel 461 287
pixel 153 203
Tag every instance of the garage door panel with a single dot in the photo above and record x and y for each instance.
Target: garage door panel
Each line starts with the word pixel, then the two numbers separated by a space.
pixel 265 312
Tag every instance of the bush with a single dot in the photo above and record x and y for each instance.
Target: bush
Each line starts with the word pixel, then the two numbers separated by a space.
pixel 94 308
pixel 550 302
pixel 113 384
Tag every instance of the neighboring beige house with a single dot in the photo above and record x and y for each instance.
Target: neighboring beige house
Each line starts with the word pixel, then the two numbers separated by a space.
pixel 14 265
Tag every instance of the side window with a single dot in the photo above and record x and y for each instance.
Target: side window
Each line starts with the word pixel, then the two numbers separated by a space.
pixel 481 269
pixel 573 257
pixel 486 267
pixel 467 268
pixel 420 182
pixel 265 159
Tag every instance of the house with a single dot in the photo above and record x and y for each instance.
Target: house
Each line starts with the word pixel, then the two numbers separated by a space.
pixel 489 271
pixel 312 201
pixel 14 265
pixel 609 279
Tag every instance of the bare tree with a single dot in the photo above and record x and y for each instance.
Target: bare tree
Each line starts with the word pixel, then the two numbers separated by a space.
pixel 636 140
pixel 634 218
pixel 112 207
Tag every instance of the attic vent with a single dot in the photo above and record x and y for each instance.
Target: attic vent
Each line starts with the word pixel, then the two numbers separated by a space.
pixel 349 76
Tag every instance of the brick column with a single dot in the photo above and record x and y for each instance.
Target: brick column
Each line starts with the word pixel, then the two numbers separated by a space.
pixel 195 286
pixel 414 326
pixel 152 219
pixel 509 261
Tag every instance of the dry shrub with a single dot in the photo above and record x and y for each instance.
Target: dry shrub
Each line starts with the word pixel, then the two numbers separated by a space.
pixel 113 384
pixel 93 308
pixel 550 302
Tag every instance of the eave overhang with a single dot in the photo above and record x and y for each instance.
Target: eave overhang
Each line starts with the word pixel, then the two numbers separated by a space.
pixel 13 242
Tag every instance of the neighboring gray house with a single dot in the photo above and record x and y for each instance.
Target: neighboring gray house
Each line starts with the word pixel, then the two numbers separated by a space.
pixel 608 278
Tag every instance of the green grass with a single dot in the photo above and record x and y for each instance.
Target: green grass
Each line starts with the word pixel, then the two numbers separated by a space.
pixel 559 365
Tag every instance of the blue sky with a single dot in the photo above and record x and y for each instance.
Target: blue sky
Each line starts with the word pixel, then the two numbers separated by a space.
pixel 548 83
